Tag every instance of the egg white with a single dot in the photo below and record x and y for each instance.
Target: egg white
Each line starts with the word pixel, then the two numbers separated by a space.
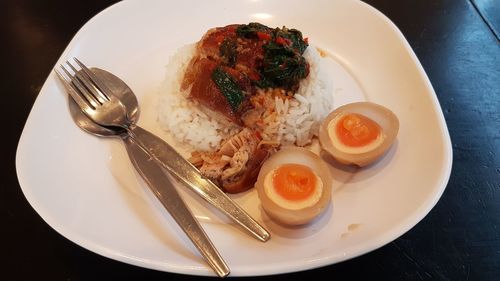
pixel 349 149
pixel 273 195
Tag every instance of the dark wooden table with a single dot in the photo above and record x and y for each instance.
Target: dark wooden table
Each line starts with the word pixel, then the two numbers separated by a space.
pixel 459 240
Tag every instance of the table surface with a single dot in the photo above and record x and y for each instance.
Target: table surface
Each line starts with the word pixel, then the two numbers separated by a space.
pixel 460 238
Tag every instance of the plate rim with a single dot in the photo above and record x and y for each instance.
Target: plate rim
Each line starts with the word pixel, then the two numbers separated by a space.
pixel 201 270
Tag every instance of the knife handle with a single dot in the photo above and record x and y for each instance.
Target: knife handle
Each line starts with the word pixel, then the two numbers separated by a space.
pixel 186 173
pixel 165 191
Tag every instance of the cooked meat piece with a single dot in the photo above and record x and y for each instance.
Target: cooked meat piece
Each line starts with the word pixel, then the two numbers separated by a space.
pixel 248 178
pixel 205 91
pixel 231 166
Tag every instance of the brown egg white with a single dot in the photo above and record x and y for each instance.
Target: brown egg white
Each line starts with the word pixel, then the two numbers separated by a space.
pixel 278 205
pixel 337 139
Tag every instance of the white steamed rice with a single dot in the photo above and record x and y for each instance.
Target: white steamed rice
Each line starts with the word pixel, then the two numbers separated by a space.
pixel 297 120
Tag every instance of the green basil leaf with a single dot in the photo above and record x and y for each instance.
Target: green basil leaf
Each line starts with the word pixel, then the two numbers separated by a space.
pixel 228 87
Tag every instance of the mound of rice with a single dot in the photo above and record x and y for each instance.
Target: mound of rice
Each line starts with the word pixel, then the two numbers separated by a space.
pixel 296 121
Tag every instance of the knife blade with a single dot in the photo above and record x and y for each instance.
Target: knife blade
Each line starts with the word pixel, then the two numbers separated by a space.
pixel 165 191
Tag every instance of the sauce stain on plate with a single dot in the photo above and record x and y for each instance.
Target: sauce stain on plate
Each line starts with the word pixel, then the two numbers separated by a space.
pixel 350 229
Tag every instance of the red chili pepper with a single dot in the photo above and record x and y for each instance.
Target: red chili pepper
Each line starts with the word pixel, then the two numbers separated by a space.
pixel 253 75
pixel 263 35
pixel 283 41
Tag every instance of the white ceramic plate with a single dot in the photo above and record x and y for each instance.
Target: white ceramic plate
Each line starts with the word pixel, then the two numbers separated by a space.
pixel 85 188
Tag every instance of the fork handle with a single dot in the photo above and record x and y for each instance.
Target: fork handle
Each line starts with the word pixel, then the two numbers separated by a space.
pixel 163 189
pixel 186 173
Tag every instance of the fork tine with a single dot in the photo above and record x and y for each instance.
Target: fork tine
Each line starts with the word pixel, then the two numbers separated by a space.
pixel 82 102
pixel 90 87
pixel 97 82
pixel 79 88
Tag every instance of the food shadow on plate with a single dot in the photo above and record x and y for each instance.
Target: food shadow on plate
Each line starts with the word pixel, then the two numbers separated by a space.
pixel 249 201
pixel 343 174
pixel 298 231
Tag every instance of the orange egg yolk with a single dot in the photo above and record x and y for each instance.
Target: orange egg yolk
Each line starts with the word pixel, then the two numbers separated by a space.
pixel 294 181
pixel 357 130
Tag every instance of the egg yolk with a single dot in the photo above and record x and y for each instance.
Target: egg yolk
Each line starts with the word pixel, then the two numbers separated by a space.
pixel 356 130
pixel 294 181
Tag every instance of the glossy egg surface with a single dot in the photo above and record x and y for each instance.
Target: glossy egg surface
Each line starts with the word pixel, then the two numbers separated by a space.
pixel 359 133
pixel 294 186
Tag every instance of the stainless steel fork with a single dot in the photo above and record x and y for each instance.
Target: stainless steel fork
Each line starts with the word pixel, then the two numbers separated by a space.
pixel 91 96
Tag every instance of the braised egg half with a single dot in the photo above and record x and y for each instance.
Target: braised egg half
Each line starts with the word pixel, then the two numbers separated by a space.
pixel 359 133
pixel 294 186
